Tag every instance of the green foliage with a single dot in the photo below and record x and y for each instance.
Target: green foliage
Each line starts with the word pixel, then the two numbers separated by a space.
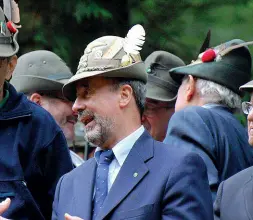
pixel 87 10
pixel 66 27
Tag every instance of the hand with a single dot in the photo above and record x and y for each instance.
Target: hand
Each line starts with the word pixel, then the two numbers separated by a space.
pixel 4 206
pixel 69 217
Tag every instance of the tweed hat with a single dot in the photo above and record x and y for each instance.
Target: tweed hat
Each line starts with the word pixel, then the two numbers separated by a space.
pixel 160 85
pixel 8 37
pixel 228 64
pixel 111 56
pixel 40 70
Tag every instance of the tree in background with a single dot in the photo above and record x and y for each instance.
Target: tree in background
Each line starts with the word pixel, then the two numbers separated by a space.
pixel 65 27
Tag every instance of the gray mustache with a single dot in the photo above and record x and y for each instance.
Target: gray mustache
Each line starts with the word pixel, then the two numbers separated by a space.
pixel 84 113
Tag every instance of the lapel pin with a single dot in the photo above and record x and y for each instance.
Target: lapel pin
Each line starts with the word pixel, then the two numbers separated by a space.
pixel 135 174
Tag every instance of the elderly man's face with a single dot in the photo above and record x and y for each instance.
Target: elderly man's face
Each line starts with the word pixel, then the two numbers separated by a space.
pixel 61 110
pixel 156 117
pixel 250 123
pixel 96 104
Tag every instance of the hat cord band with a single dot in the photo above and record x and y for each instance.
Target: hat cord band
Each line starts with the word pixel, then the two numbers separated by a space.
pixel 162 83
pixel 6 40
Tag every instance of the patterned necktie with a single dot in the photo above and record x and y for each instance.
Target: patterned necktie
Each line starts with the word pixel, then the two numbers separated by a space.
pixel 105 159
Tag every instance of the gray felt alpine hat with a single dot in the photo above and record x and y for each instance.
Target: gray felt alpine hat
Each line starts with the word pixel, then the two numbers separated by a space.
pixel 40 70
pixel 160 85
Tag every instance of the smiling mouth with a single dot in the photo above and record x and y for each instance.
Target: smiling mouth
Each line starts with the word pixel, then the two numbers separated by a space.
pixel 71 121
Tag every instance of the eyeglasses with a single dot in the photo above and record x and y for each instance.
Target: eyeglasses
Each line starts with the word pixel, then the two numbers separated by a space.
pixel 53 94
pixel 247 107
pixel 152 110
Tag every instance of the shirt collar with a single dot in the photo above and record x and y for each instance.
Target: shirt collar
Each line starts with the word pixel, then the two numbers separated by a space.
pixel 212 105
pixel 4 100
pixel 122 149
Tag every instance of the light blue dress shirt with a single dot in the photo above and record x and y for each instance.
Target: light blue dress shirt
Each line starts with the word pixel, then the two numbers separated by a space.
pixel 121 151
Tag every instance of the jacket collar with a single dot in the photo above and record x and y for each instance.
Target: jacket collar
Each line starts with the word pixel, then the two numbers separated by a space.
pixel 17 105
pixel 132 172
pixel 216 106
pixel 84 188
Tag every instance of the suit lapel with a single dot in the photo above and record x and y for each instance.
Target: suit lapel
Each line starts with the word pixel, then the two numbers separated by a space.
pixel 131 173
pixel 248 192
pixel 83 190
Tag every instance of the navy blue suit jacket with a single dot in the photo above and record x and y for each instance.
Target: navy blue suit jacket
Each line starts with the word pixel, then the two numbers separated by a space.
pixel 217 136
pixel 170 184
pixel 235 197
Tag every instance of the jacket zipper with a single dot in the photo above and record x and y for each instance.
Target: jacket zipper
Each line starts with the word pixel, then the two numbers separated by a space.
pixel 15 117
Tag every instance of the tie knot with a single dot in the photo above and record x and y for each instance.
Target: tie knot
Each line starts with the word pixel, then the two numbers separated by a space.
pixel 106 157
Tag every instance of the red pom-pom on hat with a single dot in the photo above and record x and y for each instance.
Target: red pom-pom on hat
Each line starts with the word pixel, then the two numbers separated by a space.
pixel 11 27
pixel 208 56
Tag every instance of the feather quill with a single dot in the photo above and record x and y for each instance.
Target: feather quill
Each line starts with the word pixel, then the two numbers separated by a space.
pixel 134 40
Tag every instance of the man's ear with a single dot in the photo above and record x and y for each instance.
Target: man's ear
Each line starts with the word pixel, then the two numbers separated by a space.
pixel 37 98
pixel 190 89
pixel 126 94
pixel 11 66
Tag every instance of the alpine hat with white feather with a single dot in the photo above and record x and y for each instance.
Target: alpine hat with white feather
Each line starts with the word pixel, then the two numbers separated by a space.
pixel 111 56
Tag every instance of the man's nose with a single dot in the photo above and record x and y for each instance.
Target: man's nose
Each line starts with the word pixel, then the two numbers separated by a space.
pixel 78 106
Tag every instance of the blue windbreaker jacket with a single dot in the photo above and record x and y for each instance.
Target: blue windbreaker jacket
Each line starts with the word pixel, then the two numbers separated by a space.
pixel 33 156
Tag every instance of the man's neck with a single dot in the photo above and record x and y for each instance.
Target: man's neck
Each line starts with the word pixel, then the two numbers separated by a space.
pixel 124 132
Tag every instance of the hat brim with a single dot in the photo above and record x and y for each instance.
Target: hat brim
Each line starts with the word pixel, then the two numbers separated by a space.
pixel 28 84
pixel 210 71
pixel 157 93
pixel 135 71
pixel 248 87
pixel 8 50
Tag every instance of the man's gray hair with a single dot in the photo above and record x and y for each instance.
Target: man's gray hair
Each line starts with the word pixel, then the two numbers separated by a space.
pixel 212 92
pixel 139 90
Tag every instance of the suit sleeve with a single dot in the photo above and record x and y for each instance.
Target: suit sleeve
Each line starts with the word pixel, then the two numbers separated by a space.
pixel 187 194
pixel 188 129
pixel 217 203
pixel 57 162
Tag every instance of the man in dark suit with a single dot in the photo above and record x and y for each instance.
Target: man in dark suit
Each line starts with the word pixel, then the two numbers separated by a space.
pixel 132 175
pixel 204 121
pixel 234 198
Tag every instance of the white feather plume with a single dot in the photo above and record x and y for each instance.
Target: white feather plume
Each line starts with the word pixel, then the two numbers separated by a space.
pixel 134 40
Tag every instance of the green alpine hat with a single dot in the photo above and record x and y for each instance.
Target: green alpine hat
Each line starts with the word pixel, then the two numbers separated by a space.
pixel 228 64
pixel 8 37
pixel 40 70
pixel 111 56
pixel 160 85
